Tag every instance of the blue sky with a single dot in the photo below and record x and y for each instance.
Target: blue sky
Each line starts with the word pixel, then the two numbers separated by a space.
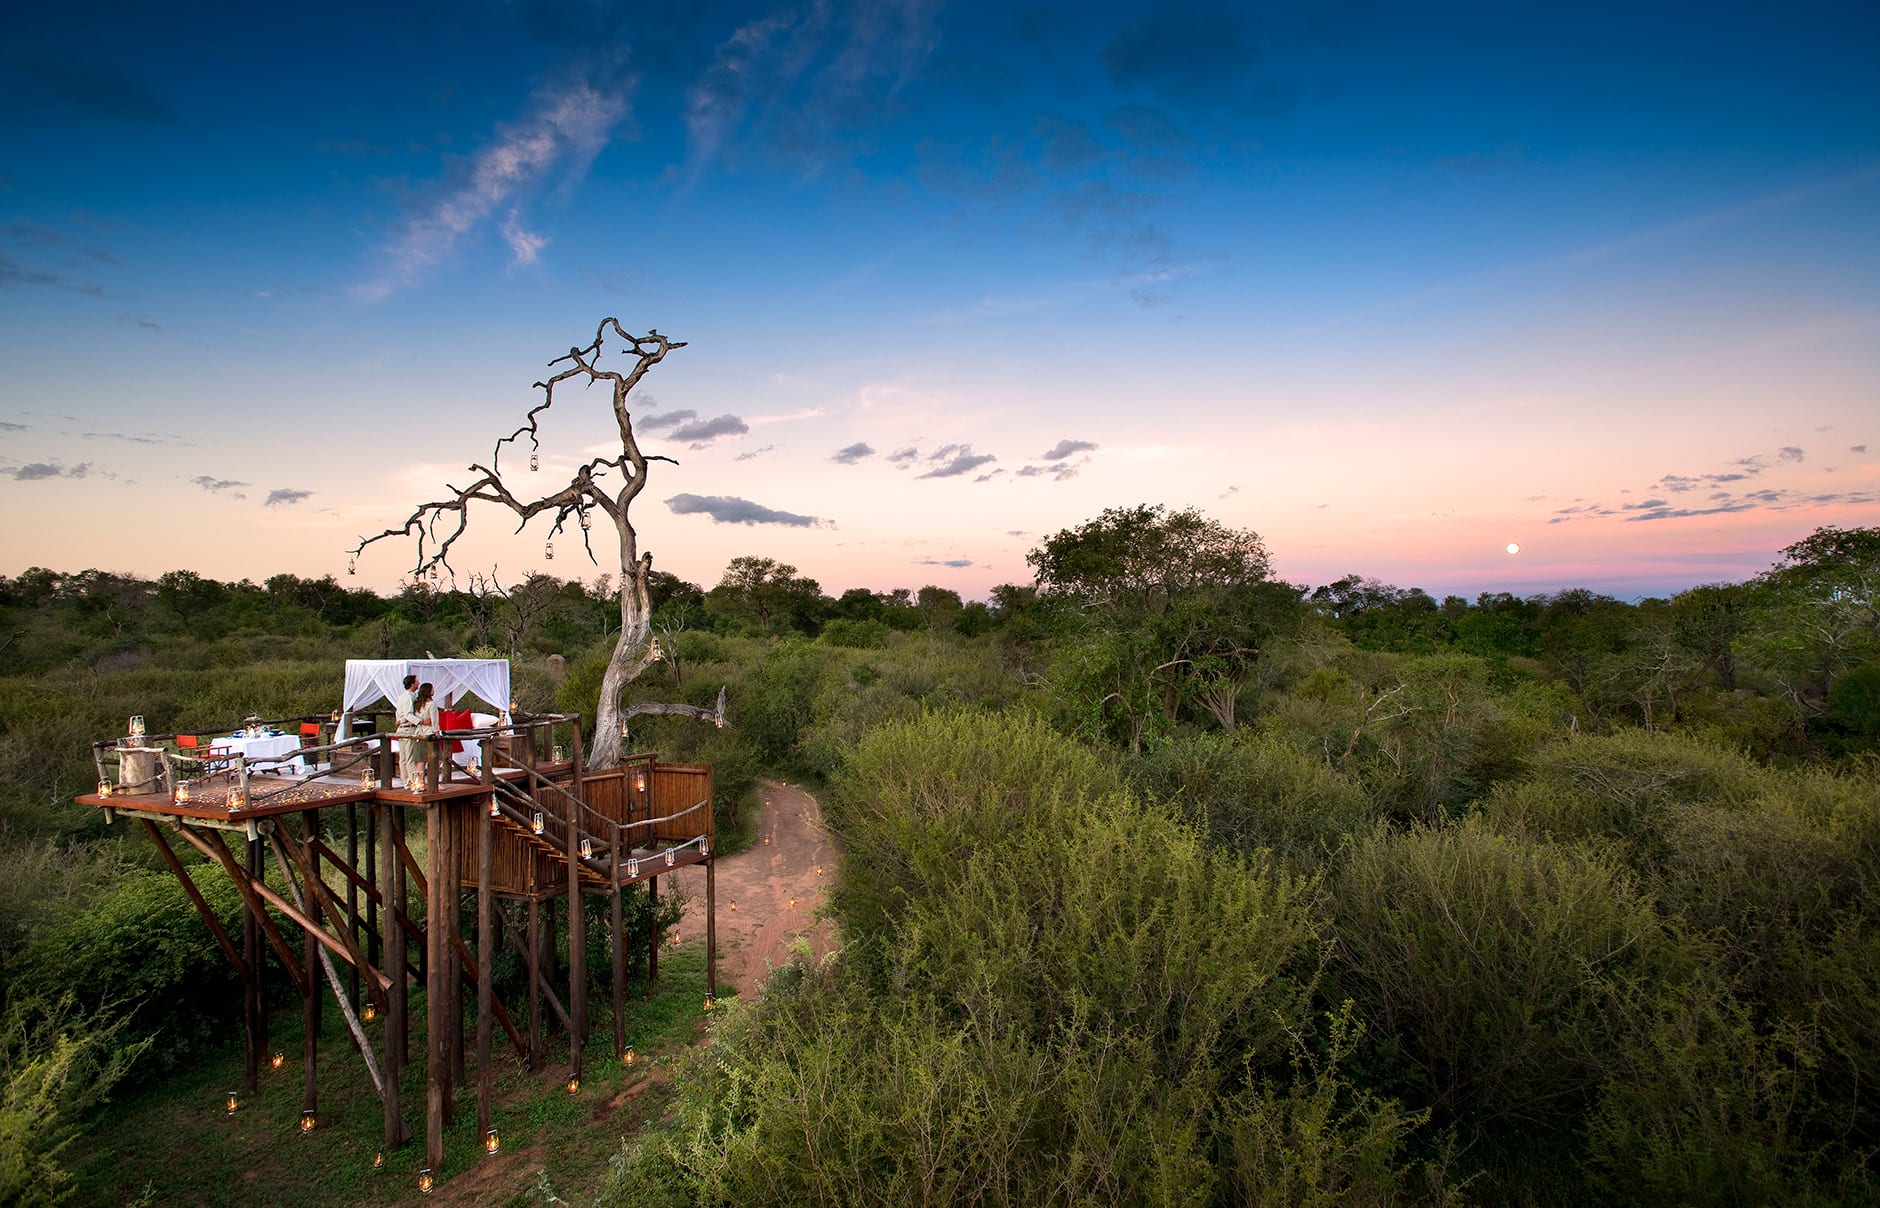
pixel 1394 288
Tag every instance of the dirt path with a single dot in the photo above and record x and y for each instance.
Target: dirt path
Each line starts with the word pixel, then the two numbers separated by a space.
pixel 767 894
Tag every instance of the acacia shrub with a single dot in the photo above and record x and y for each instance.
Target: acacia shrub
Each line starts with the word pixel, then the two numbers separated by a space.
pixel 1252 790
pixel 1504 969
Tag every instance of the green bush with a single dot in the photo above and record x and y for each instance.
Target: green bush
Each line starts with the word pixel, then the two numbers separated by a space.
pixel 857 635
pixel 1505 969
pixel 56 1064
pixel 1253 790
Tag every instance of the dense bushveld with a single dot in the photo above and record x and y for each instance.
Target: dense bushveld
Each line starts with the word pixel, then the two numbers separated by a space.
pixel 1164 881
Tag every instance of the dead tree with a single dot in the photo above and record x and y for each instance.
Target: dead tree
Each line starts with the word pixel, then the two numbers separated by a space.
pixel 439 523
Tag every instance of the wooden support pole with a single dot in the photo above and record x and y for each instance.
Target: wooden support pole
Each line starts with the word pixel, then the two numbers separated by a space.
pixel 534 956
pixel 254 1018
pixel 486 951
pixel 246 883
pixel 374 941
pixel 517 942
pixel 310 1004
pixel 436 1002
pixel 619 936
pixel 652 932
pixel 195 895
pixel 577 948
pixel 448 880
pixel 711 923
pixel 395 1132
pixel 352 892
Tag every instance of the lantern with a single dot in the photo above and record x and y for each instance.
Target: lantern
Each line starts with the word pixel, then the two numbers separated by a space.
pixel 104 788
pixel 704 847
pixel 708 1002
pixel 633 869
pixel 535 462
pixel 496 810
pixel 639 782
pixel 623 729
pixel 536 825
pixel 574 1086
pixel 231 1103
pixel 352 565
pixel 425 1181
pixel 378 1161
pixel 491 1142
pixel 368 1013
pixel 136 727
pixel 306 1121
pixel 548 550
pixel 587 849
pixel 182 792
pixel 669 857
pixel 626 1058
pixel 587 522
pixel 365 776
pixel 734 904
pixel 275 1062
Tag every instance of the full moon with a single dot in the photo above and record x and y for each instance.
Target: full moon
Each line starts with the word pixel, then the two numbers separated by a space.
pixel 1513 548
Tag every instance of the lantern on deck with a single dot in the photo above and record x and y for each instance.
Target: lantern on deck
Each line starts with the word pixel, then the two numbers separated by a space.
pixel 633 869
pixel 104 788
pixel 669 857
pixel 182 792
pixel 587 849
pixel 135 728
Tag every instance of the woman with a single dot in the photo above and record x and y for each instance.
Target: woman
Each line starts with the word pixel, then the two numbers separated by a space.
pixel 415 728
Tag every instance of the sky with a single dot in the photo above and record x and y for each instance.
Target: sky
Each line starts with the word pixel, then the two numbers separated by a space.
pixel 1399 288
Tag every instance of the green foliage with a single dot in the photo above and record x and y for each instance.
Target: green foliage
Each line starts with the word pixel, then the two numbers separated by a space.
pixel 856 635
pixel 142 953
pixel 56 1064
pixel 1254 790
pixel 1505 968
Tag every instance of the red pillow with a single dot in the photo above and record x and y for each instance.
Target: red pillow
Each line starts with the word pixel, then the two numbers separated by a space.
pixel 454 719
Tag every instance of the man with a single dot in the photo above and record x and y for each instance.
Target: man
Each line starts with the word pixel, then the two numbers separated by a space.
pixel 401 701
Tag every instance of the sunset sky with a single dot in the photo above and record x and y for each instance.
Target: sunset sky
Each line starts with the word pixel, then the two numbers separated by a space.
pixel 1393 286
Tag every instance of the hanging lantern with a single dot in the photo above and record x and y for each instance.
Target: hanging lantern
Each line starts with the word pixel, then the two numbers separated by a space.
pixel 655 652
pixel 704 847
pixel 587 521
pixel 425 1181
pixel 368 1012
pixel 548 551
pixel 639 782
pixel 435 577
pixel 536 825
pixel 231 1103
pixel 623 729
pixel 535 461
pixel 275 1062
pixel 306 1121
pixel 587 849
pixel 633 868
pixel 491 1142
pixel 352 565
pixel 496 810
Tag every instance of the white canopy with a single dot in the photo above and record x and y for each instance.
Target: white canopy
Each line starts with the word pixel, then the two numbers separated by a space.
pixel 369 681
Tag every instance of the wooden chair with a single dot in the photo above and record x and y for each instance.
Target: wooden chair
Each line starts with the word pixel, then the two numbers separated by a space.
pixel 213 759
pixel 309 737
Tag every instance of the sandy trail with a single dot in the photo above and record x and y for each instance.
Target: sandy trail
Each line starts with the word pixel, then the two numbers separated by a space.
pixel 768 894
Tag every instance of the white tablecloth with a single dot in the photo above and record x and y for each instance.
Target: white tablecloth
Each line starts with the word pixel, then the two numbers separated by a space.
pixel 266 746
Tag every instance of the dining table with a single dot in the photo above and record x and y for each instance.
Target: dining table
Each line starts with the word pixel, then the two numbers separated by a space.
pixel 260 746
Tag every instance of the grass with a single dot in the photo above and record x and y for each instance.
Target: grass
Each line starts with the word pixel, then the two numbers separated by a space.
pixel 175 1143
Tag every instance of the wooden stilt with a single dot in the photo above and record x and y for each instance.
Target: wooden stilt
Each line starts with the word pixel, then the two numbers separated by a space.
pixel 486 951
pixel 652 932
pixel 618 934
pixel 436 999
pixel 397 900
pixel 395 1132
pixel 352 894
pixel 535 984
pixel 711 924
pixel 310 1005
pixel 254 1018
pixel 446 872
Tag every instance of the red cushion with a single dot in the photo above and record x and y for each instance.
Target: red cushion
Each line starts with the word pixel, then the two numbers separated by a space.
pixel 454 719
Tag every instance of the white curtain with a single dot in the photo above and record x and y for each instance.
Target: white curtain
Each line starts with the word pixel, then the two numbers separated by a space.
pixel 369 681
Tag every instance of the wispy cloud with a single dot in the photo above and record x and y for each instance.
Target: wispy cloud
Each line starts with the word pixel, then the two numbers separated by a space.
pixel 754 454
pixel 955 563
pixel 34 471
pixel 565 128
pixel 1065 448
pixel 284 497
pixel 215 486
pixel 729 509
pixel 851 454
pixel 956 460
